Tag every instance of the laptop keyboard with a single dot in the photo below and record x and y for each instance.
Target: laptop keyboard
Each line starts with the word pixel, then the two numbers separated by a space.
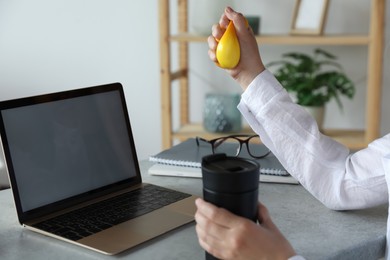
pixel 105 214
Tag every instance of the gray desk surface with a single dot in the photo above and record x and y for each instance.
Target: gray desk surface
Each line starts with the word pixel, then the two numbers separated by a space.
pixel 314 231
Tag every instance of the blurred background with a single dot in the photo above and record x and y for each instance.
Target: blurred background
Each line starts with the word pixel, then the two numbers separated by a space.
pixel 55 45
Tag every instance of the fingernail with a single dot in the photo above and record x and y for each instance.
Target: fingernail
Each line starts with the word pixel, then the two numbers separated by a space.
pixel 229 9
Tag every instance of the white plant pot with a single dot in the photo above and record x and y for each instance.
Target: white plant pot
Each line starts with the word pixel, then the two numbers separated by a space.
pixel 318 113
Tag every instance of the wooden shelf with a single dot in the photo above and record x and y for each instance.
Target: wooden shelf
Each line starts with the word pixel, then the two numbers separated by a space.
pixel 287 39
pixel 354 139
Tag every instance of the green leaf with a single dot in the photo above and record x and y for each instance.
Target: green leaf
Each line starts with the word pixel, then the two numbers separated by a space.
pixel 325 53
pixel 314 79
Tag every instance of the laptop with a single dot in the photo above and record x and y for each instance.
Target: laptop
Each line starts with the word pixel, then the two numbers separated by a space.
pixel 74 171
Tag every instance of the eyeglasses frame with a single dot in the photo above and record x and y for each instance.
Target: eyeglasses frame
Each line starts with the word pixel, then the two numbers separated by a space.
pixel 236 137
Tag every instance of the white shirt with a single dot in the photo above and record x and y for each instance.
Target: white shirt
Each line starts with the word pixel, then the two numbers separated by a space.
pixel 323 166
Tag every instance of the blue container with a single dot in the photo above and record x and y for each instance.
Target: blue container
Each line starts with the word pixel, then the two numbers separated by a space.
pixel 220 113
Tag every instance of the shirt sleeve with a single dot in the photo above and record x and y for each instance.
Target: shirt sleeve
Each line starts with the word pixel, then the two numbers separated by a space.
pixel 326 168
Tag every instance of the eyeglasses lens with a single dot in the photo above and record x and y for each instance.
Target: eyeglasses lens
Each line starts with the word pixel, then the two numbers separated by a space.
pixel 229 146
pixel 255 149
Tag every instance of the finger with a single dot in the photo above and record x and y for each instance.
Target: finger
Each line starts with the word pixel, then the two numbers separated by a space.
pixel 212 43
pixel 212 245
pixel 265 219
pixel 210 212
pixel 213 40
pixel 209 226
pixel 212 48
pixel 217 31
pixel 219 216
pixel 262 213
pixel 240 22
pixel 224 21
pixel 209 235
pixel 212 56
pixel 208 238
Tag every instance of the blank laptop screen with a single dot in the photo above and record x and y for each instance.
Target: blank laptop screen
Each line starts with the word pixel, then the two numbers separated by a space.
pixel 63 148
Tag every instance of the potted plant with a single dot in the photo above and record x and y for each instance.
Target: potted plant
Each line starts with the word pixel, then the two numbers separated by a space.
pixel 313 80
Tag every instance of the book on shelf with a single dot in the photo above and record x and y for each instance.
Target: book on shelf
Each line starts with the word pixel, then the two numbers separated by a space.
pixel 184 159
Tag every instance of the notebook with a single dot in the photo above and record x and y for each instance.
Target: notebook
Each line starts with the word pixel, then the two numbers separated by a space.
pixel 74 172
pixel 184 159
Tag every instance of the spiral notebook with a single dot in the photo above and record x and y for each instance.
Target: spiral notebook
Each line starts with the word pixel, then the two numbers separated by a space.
pixel 184 159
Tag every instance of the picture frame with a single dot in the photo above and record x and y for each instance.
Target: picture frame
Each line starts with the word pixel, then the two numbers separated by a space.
pixel 309 17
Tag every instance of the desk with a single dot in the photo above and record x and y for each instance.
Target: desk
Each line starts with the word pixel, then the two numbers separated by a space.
pixel 314 231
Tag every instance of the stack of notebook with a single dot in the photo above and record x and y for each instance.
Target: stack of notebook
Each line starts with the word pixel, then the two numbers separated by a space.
pixel 184 159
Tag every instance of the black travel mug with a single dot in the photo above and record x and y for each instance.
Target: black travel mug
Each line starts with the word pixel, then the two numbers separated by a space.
pixel 231 183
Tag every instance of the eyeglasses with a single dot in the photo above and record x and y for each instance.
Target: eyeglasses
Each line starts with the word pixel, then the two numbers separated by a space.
pixel 232 145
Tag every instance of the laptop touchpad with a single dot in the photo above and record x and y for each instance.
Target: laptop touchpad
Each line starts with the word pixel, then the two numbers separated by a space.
pixel 136 230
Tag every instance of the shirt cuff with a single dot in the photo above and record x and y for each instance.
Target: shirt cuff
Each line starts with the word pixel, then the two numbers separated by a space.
pixel 262 89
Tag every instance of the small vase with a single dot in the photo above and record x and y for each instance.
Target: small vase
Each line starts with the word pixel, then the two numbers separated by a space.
pixel 220 113
pixel 254 23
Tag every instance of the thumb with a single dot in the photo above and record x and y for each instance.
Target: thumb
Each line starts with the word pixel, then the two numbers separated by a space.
pixel 264 218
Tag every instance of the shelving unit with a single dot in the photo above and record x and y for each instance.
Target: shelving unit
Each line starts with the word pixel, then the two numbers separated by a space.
pixel 354 139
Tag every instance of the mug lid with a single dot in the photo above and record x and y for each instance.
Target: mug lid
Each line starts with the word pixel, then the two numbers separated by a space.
pixel 224 173
pixel 222 163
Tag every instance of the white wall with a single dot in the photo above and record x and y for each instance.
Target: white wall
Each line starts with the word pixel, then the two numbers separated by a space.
pixel 53 45
pixel 48 45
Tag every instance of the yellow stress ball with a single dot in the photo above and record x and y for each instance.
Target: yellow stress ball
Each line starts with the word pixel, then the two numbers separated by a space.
pixel 228 48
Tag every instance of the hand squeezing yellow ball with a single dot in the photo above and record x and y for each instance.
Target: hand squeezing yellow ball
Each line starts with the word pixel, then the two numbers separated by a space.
pixel 228 48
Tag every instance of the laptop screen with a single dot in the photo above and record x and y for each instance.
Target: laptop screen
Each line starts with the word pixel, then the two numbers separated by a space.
pixel 68 146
